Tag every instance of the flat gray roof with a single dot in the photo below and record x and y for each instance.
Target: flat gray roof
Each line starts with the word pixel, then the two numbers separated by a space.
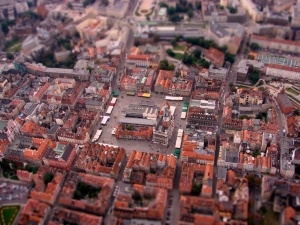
pixel 137 121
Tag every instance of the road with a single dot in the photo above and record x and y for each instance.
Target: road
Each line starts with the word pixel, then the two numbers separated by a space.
pixel 230 79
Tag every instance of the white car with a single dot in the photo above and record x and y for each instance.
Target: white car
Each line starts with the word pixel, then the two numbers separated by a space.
pixel 113 132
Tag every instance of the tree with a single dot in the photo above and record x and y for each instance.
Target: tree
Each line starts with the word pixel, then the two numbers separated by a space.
pixel 171 11
pixel 188 59
pixel 229 57
pixel 90 69
pixel 190 14
pixel 174 42
pixel 197 53
pixel 263 210
pixel 165 65
pixel 175 18
pixel 254 46
pixel 10 56
pixel 253 77
pixel 163 5
pixel 170 53
pixel 196 189
pixel 244 117
pixel 48 177
pixel 4 28
pixel 296 112
pixel 198 5
pixel 69 5
pixel 232 10
pixel 147 17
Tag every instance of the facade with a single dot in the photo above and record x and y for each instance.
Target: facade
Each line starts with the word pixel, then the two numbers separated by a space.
pixel 253 10
pixel 281 71
pixel 217 73
pixel 9 129
pixel 285 103
pixel 276 44
pixel 250 96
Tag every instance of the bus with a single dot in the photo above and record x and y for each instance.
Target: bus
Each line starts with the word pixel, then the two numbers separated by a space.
pixel 113 101
pixel 172 109
pixel 109 110
pixel 183 115
pixel 172 98
pixel 179 138
pixel 97 135
pixel 104 120
pixel 131 93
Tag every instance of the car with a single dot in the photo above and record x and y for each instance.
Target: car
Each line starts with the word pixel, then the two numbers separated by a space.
pixel 113 132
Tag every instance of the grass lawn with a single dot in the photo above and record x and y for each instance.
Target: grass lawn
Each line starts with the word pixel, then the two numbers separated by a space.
pixel 15 48
pixel 8 214
pixel 179 48
pixel 270 218
pixel 293 91
pixel 178 56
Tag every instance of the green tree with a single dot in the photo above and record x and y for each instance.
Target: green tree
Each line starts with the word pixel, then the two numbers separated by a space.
pixel 69 5
pixel 254 46
pixel 229 57
pixel 171 11
pixel 197 53
pixel 174 42
pixel 10 56
pixel 190 14
pixel 196 189
pixel 263 210
pixel 90 69
pixel 4 28
pixel 188 59
pixel 232 10
pixel 170 53
pixel 253 76
pixel 48 177
pixel 163 5
pixel 165 65
pixel 175 18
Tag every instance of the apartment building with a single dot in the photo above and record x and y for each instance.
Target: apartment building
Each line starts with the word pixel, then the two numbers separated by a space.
pixel 163 81
pixel 47 192
pixel 276 44
pixel 295 23
pixel 139 60
pixel 215 56
pixel 101 160
pixel 282 5
pixel 141 166
pixel 253 10
pixel 61 156
pixel 9 129
pixel 250 96
pixel 217 73
pixel 284 103
pixel 90 28
pixel 126 205
pixel 282 71
pixel 34 211
pixel 73 198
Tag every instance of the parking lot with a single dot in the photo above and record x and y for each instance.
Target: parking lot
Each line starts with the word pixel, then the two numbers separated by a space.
pixel 146 146
pixel 12 192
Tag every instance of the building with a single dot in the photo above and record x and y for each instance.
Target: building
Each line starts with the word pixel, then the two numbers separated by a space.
pixel 282 71
pixel 253 10
pixel 203 213
pixel 73 193
pixel 285 103
pixel 215 56
pixel 246 66
pixel 229 34
pixel 163 130
pixel 101 160
pixel 90 28
pixel 78 127
pixel 24 175
pixel 47 192
pixel 60 157
pixel 43 71
pixel 282 5
pixel 139 60
pixel 129 206
pixel 295 23
pixel 163 81
pixel 118 9
pixel 137 121
pixel 71 216
pixel 250 96
pixel 9 129
pixel 155 170
pixel 217 73
pixel 33 212
pixel 276 44
pixel 30 150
